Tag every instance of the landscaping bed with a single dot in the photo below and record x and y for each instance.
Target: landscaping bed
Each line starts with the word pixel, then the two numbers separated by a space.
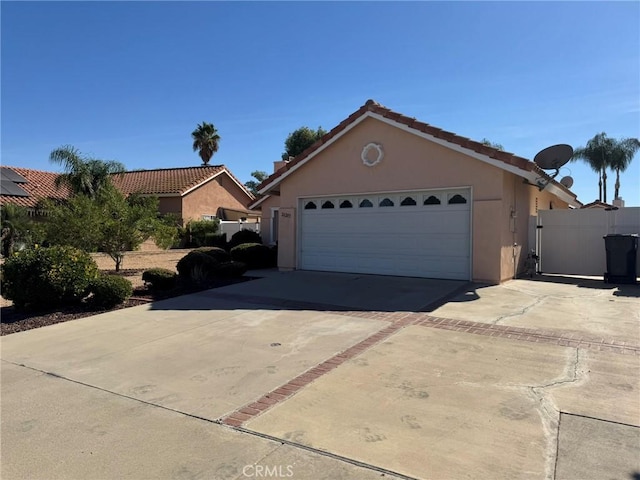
pixel 12 321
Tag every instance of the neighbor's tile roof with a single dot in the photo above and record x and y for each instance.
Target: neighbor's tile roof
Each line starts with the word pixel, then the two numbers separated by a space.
pixel 597 204
pixel 168 181
pixel 39 185
pixel 374 107
pixel 165 181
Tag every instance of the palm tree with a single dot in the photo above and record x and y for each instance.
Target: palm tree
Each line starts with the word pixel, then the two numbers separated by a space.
pixel 15 226
pixel 83 175
pixel 597 154
pixel 205 139
pixel 624 150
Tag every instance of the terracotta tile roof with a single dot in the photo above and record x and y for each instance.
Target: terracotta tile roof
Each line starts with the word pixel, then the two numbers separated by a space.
pixel 165 180
pixel 374 107
pixel 597 204
pixel 168 181
pixel 39 185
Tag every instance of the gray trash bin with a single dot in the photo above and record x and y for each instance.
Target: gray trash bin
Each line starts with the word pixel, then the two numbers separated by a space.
pixel 622 252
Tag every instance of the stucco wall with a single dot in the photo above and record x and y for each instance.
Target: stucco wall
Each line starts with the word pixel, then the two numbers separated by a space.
pixel 170 205
pixel 221 191
pixel 414 163
pixel 265 218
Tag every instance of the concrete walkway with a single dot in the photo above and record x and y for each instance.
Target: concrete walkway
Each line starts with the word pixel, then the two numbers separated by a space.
pixel 310 376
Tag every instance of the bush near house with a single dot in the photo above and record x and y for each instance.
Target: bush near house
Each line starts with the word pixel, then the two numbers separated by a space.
pixel 217 253
pixel 203 267
pixel 108 291
pixel 159 278
pixel 46 277
pixel 244 236
pixel 203 231
pixel 255 255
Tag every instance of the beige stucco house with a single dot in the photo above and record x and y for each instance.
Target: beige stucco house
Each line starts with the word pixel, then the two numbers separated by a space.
pixel 383 193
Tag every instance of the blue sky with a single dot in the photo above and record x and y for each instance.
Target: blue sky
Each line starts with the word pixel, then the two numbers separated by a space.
pixel 129 81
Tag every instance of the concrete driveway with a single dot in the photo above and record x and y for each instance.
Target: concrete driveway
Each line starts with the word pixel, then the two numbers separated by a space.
pixel 304 375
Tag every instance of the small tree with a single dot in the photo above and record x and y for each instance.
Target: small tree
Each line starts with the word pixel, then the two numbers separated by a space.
pixel 489 143
pixel 205 141
pixel 301 139
pixel 252 185
pixel 109 223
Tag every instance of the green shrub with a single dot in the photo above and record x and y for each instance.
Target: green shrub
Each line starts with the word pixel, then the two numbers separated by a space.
pixel 230 269
pixel 197 267
pixel 159 278
pixel 255 255
pixel 215 240
pixel 109 291
pixel 217 253
pixel 244 236
pixel 198 230
pixel 47 277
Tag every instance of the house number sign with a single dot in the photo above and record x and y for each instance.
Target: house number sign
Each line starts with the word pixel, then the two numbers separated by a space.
pixel 285 214
pixel 372 154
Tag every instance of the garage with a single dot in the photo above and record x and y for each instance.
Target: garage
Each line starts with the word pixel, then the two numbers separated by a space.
pixel 415 234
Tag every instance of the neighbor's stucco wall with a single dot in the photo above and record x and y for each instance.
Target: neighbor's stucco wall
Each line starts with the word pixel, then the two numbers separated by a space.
pixel 221 191
pixel 170 205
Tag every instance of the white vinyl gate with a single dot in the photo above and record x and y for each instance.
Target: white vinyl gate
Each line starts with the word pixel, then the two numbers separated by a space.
pixel 417 234
pixel 571 241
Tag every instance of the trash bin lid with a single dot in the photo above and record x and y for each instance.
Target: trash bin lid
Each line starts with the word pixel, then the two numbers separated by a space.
pixel 621 235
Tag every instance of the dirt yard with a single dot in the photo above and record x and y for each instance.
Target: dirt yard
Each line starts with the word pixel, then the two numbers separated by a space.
pixel 141 260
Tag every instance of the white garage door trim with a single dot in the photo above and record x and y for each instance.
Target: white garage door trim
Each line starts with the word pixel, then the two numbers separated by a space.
pixel 407 238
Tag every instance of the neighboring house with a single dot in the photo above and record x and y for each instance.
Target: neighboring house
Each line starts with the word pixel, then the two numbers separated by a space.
pixel 383 193
pixel 191 193
pixel 25 187
pixel 598 204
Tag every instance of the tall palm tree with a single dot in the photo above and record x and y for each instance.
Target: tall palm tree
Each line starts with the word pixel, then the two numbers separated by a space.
pixel 205 141
pixel 624 150
pixel 83 175
pixel 597 154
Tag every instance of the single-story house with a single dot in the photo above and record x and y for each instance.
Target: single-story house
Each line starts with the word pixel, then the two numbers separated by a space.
pixel 191 193
pixel 383 193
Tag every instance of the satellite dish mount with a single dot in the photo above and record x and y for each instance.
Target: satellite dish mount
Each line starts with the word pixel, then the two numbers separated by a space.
pixel 551 158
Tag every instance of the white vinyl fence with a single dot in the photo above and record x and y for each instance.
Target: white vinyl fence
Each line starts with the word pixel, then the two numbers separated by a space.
pixel 571 241
pixel 230 227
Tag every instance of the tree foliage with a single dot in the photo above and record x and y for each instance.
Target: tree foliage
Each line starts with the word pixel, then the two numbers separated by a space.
pixel 489 143
pixel 301 139
pixel 205 141
pixel 17 228
pixel 252 185
pixel 83 175
pixel 601 153
pixel 109 223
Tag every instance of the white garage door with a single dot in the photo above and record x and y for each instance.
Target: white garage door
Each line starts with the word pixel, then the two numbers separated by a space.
pixel 420 234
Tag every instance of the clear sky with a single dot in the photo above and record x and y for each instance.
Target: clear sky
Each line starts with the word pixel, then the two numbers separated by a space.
pixel 129 81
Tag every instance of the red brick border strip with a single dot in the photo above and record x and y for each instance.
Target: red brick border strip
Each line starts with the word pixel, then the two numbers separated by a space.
pixel 237 418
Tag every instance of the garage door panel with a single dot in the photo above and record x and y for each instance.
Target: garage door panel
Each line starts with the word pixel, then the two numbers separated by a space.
pixel 423 241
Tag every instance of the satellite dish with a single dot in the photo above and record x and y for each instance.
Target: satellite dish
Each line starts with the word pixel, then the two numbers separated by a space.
pixel 567 181
pixel 553 157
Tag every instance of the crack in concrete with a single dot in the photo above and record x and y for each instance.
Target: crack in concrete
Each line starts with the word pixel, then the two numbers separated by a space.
pixel 574 373
pixel 521 312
